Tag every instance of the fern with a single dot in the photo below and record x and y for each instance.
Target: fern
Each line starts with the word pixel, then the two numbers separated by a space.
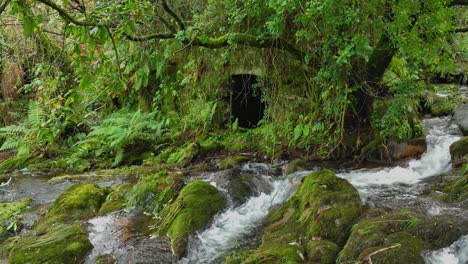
pixel 118 131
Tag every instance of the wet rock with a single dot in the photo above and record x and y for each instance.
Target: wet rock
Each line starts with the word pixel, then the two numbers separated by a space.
pixel 321 251
pixel 460 116
pixel 241 186
pixel 231 162
pixel 106 259
pixel 459 152
pixel 62 244
pixel 456 191
pixel 78 202
pixel 397 237
pixel 9 216
pixel 310 226
pixel 4 179
pixel 396 151
pixel 59 237
pixel 195 206
pixel 296 165
pixel 116 199
pixel 154 191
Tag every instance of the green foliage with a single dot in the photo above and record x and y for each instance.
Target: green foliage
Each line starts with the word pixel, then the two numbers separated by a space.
pixel 118 133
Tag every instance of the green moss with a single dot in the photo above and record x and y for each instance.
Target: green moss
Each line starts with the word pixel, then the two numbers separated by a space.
pixel 397 248
pixel 441 106
pixel 154 191
pixel 9 214
pixel 4 179
pixel 296 165
pixel 196 204
pixel 290 254
pixel 311 225
pixel 456 191
pixel 406 233
pixel 321 251
pixel 77 202
pixel 115 199
pixel 459 148
pixel 62 244
pixel 106 259
pixel 183 156
pixel 231 162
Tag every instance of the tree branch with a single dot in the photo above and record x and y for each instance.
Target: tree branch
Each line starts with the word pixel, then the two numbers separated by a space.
pixel 3 6
pixel 67 16
pixel 461 30
pixel 150 37
pixel 459 2
pixel 173 14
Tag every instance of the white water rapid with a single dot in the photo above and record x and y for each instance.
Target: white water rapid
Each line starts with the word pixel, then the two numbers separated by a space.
pixel 233 226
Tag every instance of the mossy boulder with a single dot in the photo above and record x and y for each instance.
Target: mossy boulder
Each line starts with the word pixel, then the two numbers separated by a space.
pixel 459 152
pixel 59 236
pixel 153 191
pixel 231 162
pixel 445 100
pixel 193 209
pixel 77 202
pixel 62 244
pixel 296 165
pixel 9 215
pixel 115 200
pixel 311 225
pixel 456 191
pixel 278 254
pixel 397 237
pixel 322 251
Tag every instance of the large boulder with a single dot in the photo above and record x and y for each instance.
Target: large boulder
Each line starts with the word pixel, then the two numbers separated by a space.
pixel 396 151
pixel 311 226
pixel 63 243
pixel 460 115
pixel 193 209
pixel 459 152
pixel 59 237
pixel 397 237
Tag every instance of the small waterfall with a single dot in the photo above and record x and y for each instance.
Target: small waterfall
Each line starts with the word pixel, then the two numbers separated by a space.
pixel 436 160
pixel 234 225
pixel 457 253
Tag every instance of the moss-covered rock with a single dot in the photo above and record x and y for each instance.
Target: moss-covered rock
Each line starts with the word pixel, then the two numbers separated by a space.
pixel 393 237
pixel 321 251
pixel 445 100
pixel 289 254
pixel 62 244
pixel 456 191
pixel 106 259
pixel 195 206
pixel 115 199
pixel 9 215
pixel 231 162
pixel 77 202
pixel 154 191
pixel 311 225
pixel 296 165
pixel 459 152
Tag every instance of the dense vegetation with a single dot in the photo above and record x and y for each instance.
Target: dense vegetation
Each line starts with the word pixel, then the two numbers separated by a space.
pixel 105 83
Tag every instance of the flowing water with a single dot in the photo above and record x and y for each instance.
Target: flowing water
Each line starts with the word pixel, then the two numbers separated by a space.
pixel 395 187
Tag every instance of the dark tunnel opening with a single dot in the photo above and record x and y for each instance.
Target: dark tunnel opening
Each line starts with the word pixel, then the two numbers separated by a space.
pixel 247 105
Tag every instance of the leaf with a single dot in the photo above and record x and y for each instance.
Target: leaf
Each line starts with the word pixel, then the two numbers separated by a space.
pixel 28 25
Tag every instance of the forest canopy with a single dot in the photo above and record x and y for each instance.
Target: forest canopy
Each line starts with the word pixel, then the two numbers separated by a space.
pixel 119 79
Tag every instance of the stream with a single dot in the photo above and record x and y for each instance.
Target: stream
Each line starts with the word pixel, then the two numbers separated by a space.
pixel 118 234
